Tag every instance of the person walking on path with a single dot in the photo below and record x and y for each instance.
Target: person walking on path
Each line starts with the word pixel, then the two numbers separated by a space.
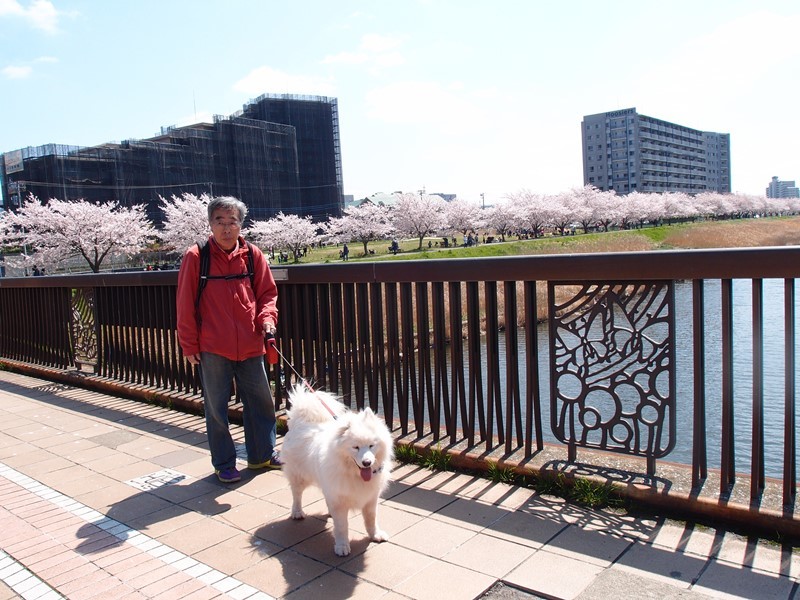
pixel 221 331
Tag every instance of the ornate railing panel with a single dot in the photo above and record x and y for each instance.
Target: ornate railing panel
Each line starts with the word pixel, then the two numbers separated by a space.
pixel 613 366
pixel 84 333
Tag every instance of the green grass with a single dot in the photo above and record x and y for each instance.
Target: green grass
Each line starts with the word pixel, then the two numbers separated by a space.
pixel 648 238
pixel 501 474
pixel 436 460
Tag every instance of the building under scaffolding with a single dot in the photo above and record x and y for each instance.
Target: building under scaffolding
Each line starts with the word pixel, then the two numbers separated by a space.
pixel 280 153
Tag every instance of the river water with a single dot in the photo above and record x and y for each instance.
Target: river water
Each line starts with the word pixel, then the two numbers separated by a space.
pixel 743 373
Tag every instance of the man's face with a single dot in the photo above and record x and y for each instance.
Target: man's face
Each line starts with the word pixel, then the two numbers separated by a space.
pixel 225 227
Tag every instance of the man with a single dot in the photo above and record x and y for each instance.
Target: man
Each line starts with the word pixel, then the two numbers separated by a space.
pixel 223 334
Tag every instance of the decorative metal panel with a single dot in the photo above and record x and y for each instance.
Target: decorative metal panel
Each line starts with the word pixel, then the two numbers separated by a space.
pixel 84 334
pixel 612 373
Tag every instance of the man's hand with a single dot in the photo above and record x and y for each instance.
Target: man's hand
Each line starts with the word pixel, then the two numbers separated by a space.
pixel 269 329
pixel 193 359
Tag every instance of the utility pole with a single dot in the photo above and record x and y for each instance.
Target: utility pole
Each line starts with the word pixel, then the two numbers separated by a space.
pixel 483 201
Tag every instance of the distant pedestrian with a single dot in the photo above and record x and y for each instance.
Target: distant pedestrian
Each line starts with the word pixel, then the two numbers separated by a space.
pixel 345 252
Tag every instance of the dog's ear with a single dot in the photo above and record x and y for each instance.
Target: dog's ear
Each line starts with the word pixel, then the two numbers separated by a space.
pixel 344 427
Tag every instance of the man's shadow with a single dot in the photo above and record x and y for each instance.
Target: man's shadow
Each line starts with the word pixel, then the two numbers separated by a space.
pixel 174 497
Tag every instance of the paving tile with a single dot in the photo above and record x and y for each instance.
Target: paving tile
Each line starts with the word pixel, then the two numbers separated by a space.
pixel 163 521
pixel 287 532
pixel 177 586
pixel 754 553
pixel 433 538
pixel 392 520
pixel 282 573
pixel 335 584
pixel 185 490
pixel 454 583
pixel 470 514
pixel 107 496
pixel 686 538
pixel 489 555
pixel 613 583
pixel 193 539
pixel 599 547
pixel 387 565
pixel 522 528
pixel 153 575
pixel 187 589
pixel 178 457
pixel 249 515
pixel 554 575
pixel 236 554
pixel 499 494
pixel 136 507
pixel 658 563
pixel 86 586
pixel 727 580
pixel 421 501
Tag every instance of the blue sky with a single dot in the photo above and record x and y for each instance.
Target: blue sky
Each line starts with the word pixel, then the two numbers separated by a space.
pixel 454 96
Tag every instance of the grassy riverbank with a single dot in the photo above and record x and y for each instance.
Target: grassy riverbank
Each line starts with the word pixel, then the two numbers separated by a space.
pixel 777 231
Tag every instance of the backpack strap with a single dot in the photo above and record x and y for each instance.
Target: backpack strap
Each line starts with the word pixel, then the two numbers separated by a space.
pixel 205 268
pixel 251 265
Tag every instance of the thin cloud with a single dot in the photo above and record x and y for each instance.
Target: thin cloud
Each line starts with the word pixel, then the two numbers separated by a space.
pixel 12 72
pixel 267 78
pixel 375 51
pixel 40 14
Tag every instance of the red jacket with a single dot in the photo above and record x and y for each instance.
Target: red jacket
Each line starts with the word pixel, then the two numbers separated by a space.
pixel 232 312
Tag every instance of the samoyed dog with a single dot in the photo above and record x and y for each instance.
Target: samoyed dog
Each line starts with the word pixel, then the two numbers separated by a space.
pixel 348 455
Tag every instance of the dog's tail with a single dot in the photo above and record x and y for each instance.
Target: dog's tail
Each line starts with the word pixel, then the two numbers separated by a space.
pixel 313 406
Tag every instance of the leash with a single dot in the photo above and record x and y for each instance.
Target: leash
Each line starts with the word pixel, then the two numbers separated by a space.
pixel 272 346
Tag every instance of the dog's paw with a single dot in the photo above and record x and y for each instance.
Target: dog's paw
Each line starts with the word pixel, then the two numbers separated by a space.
pixel 341 548
pixel 298 515
pixel 380 536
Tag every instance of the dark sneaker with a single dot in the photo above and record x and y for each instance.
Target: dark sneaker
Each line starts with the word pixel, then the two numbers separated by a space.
pixel 273 463
pixel 229 475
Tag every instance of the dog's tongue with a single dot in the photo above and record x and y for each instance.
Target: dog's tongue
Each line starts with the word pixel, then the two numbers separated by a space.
pixel 366 473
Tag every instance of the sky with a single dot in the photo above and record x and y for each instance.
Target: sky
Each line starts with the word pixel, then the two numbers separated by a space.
pixel 448 96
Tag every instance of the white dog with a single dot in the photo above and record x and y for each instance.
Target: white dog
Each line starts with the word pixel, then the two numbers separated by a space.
pixel 347 455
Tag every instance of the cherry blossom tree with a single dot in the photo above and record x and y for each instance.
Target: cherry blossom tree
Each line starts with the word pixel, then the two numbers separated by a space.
pixel 501 218
pixel 59 230
pixel 289 232
pixel 366 223
pixel 418 216
pixel 462 216
pixel 185 220
pixel 532 211
pixel 562 211
pixel 584 206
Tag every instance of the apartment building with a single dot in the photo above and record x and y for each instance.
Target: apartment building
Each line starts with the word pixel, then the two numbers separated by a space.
pixel 625 151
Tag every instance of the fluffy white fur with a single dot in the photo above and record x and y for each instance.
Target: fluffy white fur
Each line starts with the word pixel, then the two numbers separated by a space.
pixel 349 458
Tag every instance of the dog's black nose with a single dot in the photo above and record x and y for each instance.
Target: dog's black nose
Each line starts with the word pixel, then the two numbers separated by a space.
pixel 366 462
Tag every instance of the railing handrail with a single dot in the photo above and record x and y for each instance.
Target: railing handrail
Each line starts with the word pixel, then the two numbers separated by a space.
pixel 748 263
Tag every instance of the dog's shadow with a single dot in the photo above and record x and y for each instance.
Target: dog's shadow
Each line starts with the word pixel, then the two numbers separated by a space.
pixel 308 561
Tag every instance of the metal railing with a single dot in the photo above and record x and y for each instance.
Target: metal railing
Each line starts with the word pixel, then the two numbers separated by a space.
pixel 452 349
